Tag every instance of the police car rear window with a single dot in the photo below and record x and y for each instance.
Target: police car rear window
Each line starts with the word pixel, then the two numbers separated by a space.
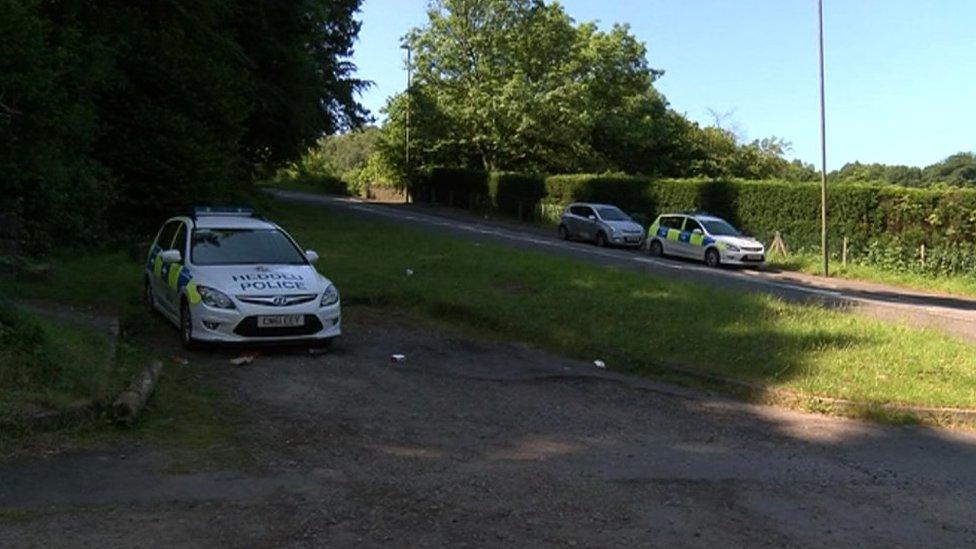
pixel 243 247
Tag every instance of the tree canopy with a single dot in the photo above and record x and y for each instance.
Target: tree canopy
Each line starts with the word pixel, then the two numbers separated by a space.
pixel 956 170
pixel 117 112
pixel 519 85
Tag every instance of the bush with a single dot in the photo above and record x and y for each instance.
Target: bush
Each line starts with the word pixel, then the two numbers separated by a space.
pixel 24 354
pixel 514 193
pixel 452 186
pixel 861 212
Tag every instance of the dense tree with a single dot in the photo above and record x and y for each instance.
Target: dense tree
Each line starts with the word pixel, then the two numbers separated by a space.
pixel 518 85
pixel 958 169
pixel 121 112
pixel 515 84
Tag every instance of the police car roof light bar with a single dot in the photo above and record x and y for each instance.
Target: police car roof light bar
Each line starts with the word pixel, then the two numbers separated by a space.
pixel 236 211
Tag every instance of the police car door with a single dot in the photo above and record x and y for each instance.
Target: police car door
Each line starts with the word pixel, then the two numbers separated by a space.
pixel 670 242
pixel 691 239
pixel 160 270
pixel 171 279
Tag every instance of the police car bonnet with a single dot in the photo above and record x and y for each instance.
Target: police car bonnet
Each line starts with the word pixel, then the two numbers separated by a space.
pixel 292 278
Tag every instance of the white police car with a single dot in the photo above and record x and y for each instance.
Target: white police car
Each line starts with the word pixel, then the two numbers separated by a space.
pixel 224 275
pixel 705 238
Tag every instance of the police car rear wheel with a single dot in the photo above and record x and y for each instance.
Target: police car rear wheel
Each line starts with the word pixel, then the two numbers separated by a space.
pixel 563 232
pixel 601 240
pixel 655 248
pixel 712 258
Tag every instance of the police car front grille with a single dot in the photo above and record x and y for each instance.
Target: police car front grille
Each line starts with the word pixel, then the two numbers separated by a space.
pixel 249 328
pixel 751 249
pixel 277 300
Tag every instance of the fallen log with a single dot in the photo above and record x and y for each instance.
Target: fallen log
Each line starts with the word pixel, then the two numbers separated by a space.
pixel 131 401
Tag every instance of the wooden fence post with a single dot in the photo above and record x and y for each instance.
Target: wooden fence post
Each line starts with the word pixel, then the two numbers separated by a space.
pixel 922 254
pixel 843 257
pixel 779 245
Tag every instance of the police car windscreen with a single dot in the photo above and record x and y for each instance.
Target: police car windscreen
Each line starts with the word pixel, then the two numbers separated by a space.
pixel 717 227
pixel 243 247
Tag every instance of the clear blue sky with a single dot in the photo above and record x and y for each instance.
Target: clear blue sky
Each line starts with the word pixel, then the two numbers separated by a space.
pixel 901 74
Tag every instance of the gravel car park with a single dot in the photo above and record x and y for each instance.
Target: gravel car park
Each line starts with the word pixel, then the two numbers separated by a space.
pixel 602 224
pixel 224 275
pixel 705 238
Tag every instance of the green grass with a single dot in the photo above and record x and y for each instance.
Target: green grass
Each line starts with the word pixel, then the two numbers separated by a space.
pixel 810 263
pixel 52 365
pixel 107 281
pixel 635 322
pixel 187 410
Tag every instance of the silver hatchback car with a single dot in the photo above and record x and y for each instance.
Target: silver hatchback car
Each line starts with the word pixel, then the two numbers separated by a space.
pixel 603 224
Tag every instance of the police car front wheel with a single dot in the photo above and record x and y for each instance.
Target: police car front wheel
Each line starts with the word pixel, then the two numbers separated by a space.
pixel 150 298
pixel 186 327
pixel 712 259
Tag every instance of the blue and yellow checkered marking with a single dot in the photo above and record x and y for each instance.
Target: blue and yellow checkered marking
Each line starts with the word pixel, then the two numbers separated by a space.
pixel 176 275
pixel 683 236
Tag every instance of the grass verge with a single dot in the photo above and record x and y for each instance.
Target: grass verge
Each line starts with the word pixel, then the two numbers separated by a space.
pixel 636 322
pixel 804 262
pixel 810 263
pixel 51 364
pixel 57 364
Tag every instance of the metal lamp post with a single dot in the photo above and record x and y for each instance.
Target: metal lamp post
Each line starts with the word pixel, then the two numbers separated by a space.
pixel 407 128
pixel 823 152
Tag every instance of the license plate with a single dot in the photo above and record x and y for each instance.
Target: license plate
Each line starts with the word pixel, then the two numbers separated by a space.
pixel 281 321
pixel 754 257
pixel 633 239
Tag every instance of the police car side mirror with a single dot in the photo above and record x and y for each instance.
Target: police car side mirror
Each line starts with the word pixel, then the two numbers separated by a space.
pixel 696 231
pixel 170 256
pixel 311 256
pixel 591 217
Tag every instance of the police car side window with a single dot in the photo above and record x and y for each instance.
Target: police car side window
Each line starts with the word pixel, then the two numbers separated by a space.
pixel 671 222
pixel 691 225
pixel 578 210
pixel 179 242
pixel 166 235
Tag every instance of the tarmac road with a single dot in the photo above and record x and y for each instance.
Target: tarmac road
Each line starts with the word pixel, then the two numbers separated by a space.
pixel 484 443
pixel 956 315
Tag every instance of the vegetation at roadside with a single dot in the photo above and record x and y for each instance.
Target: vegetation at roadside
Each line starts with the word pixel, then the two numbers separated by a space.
pixel 51 364
pixel 636 322
pixel 809 262
pixel 116 113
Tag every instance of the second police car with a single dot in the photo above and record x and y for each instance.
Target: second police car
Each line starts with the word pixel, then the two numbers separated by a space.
pixel 703 237
pixel 224 275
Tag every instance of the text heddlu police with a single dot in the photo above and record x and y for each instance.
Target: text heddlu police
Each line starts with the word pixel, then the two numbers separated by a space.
pixel 270 281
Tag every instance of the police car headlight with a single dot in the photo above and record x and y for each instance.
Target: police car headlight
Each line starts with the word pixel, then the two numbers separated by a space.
pixel 731 248
pixel 215 298
pixel 330 296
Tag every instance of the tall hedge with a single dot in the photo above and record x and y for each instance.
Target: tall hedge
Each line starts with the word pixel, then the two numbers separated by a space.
pixel 862 212
pixel 452 186
pixel 515 193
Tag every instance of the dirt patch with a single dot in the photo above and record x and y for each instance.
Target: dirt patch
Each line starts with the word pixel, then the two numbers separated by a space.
pixel 488 443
